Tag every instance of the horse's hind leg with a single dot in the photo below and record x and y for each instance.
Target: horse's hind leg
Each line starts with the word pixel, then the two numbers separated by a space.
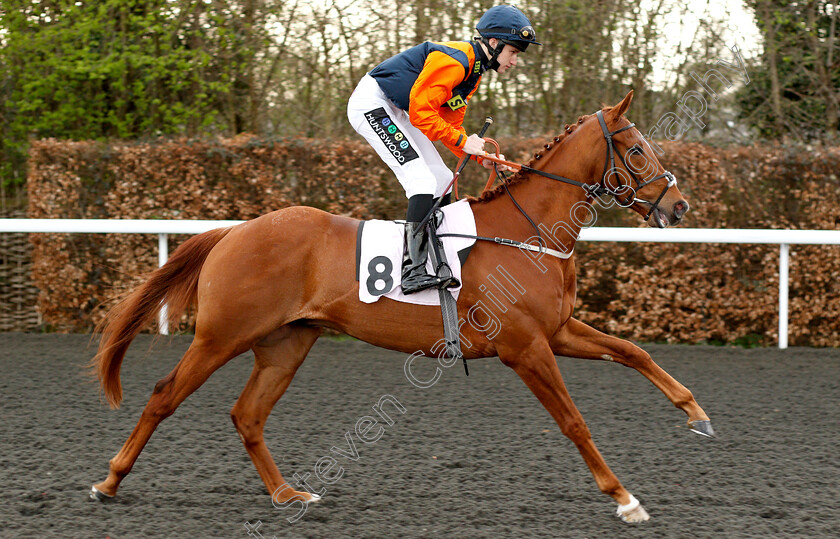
pixel 538 369
pixel 200 361
pixel 278 357
pixel 576 339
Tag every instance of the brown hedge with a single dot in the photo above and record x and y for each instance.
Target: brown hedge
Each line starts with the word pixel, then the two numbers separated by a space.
pixel 648 292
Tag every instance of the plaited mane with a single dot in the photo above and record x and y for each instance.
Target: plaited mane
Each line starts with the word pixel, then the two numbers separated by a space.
pixel 550 147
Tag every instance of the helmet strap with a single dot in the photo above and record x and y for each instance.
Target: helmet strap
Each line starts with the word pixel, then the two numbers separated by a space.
pixel 493 63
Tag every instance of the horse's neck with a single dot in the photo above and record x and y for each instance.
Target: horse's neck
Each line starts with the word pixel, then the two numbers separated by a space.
pixel 549 203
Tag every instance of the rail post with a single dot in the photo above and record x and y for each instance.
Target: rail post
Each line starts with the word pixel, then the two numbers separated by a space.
pixel 784 258
pixel 163 256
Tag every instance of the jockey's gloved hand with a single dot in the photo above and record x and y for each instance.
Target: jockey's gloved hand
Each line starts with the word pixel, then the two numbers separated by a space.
pixel 474 145
pixel 488 164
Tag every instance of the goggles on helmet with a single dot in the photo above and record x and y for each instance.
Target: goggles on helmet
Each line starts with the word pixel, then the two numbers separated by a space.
pixel 526 34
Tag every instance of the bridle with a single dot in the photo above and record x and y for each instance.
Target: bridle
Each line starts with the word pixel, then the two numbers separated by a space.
pixel 609 166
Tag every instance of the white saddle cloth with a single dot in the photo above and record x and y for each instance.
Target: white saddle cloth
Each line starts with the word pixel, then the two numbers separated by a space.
pixel 379 255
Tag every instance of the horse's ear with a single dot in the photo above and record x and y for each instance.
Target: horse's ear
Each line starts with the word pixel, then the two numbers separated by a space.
pixel 619 110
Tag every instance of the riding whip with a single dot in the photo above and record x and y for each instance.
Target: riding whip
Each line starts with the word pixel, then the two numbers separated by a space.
pixel 487 123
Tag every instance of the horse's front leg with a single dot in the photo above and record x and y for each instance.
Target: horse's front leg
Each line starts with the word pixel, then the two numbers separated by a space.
pixel 538 369
pixel 576 339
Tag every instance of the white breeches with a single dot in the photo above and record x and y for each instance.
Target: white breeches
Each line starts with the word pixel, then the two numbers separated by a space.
pixel 410 154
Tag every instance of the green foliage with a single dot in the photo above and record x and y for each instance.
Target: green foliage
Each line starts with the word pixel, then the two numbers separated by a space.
pixel 108 69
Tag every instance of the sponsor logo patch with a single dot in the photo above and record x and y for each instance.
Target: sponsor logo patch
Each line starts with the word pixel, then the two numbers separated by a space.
pixel 390 135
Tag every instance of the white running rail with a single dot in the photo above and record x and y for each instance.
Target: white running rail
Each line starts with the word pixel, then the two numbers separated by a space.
pixel 783 238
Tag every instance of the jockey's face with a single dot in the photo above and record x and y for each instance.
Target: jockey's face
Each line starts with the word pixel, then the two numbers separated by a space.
pixel 508 58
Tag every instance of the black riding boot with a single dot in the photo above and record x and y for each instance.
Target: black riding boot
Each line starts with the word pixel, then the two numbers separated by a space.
pixel 414 276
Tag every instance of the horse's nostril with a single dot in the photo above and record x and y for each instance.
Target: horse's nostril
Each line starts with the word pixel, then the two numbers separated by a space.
pixel 680 208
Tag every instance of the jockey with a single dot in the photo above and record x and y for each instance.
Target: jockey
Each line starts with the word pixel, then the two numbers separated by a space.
pixel 420 96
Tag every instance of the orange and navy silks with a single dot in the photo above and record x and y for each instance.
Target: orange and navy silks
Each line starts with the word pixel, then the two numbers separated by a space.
pixel 434 82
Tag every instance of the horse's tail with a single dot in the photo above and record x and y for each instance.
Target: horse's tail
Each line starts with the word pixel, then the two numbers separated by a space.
pixel 175 283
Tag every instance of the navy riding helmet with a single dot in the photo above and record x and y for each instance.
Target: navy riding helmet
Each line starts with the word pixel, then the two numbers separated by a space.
pixel 510 26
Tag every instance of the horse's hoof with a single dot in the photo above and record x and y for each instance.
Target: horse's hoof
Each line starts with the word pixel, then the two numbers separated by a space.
pixel 97 495
pixel 633 512
pixel 703 427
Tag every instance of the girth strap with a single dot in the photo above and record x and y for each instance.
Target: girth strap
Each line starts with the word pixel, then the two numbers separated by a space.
pixel 513 243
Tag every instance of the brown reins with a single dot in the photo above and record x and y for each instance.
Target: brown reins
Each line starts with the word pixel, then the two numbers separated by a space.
pixel 592 190
pixel 493 173
pixel 602 186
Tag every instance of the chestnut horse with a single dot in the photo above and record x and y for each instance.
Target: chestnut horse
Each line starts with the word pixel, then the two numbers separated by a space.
pixel 271 284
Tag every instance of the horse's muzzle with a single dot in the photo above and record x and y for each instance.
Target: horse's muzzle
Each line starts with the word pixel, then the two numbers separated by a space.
pixel 680 209
pixel 663 218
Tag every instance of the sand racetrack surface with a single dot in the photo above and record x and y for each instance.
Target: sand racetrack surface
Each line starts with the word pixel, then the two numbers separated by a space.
pixel 470 457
